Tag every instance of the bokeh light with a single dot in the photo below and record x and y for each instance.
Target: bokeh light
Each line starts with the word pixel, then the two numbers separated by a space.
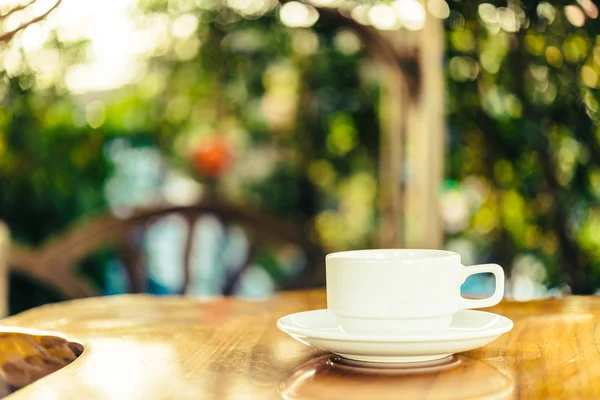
pixel 295 14
pixel 575 15
pixel 411 14
pixel 383 17
pixel 438 8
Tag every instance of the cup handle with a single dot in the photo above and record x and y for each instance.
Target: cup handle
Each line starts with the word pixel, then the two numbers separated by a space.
pixel 498 293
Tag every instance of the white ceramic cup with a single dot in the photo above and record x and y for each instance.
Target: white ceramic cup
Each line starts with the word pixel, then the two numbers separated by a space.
pixel 401 291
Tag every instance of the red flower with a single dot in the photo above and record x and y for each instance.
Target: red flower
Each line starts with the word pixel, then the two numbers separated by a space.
pixel 211 157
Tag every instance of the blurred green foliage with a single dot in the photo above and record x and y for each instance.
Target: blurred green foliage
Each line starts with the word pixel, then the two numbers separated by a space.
pixel 523 115
pixel 298 107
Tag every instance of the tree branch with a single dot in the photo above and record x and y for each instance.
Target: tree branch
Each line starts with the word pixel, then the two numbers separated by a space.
pixel 7 36
pixel 18 8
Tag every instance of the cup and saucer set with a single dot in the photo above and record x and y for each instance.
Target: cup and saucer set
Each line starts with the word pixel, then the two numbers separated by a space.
pixel 399 306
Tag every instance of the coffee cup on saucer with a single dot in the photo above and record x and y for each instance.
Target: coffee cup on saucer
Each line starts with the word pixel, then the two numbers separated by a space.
pixel 396 291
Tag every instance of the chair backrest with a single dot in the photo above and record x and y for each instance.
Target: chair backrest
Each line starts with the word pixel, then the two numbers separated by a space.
pixel 54 264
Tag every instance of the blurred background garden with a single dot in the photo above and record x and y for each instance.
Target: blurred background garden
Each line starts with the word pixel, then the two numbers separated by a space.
pixel 292 110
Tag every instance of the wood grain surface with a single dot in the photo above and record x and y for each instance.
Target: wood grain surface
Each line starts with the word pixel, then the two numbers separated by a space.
pixel 144 347
pixel 27 357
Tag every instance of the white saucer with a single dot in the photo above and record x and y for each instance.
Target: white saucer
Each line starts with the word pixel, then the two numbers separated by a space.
pixel 469 330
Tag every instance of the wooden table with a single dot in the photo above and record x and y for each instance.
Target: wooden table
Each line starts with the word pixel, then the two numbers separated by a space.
pixel 144 347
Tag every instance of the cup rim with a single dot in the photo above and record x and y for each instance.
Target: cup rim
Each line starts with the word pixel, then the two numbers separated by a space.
pixel 368 255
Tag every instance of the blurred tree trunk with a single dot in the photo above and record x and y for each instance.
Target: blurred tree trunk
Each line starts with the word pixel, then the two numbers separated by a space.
pixel 413 139
pixel 413 129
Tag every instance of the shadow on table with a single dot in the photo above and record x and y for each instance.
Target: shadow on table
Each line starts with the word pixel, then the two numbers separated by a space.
pixel 331 377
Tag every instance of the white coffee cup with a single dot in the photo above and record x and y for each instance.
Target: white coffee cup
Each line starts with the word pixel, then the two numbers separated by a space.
pixel 401 291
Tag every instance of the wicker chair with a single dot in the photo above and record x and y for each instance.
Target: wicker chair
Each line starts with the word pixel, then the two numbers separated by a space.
pixel 54 263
